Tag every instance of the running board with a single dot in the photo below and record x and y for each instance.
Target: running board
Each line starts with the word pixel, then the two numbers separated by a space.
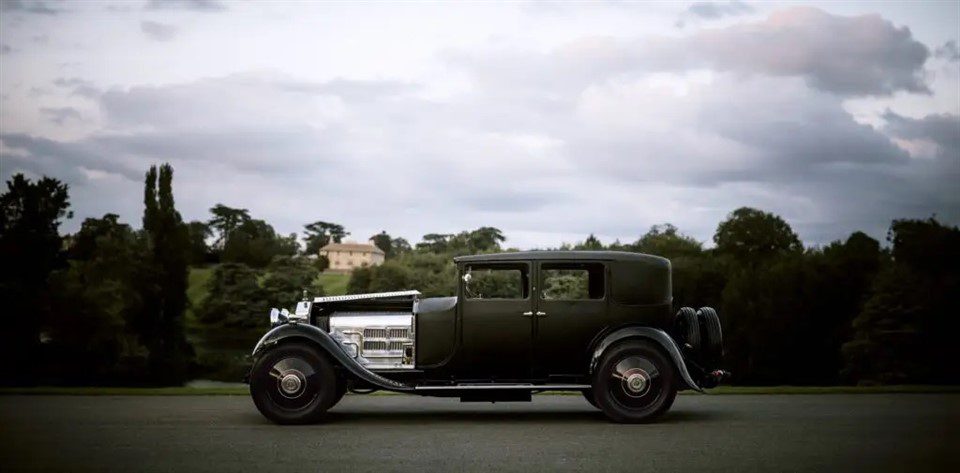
pixel 527 387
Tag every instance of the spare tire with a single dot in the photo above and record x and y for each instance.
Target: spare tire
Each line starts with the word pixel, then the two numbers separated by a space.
pixel 687 329
pixel 712 348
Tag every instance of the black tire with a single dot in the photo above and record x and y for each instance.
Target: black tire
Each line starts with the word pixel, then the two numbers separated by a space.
pixel 712 349
pixel 293 384
pixel 341 391
pixel 687 329
pixel 636 382
pixel 588 395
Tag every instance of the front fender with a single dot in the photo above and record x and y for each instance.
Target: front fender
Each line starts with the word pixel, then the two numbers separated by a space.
pixel 657 336
pixel 323 340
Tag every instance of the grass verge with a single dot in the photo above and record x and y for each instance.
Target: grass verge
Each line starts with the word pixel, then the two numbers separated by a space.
pixel 237 391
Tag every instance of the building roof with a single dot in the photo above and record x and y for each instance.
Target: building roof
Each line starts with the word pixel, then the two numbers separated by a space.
pixel 563 255
pixel 358 247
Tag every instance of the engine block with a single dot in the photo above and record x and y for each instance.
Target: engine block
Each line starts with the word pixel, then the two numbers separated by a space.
pixel 378 340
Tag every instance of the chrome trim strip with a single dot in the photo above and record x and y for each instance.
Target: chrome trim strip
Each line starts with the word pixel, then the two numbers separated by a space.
pixel 373 295
pixel 531 387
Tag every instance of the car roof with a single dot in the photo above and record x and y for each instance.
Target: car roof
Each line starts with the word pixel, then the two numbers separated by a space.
pixel 563 256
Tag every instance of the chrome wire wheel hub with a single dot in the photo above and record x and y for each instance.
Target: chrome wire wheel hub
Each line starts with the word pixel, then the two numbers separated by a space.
pixel 636 382
pixel 291 384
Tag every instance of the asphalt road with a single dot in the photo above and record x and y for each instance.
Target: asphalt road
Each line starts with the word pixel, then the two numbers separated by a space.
pixel 875 432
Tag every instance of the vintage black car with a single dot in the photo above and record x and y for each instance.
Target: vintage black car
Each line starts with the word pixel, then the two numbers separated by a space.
pixel 598 322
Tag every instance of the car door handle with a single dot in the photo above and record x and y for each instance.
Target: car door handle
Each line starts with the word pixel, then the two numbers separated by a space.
pixel 541 314
pixel 527 314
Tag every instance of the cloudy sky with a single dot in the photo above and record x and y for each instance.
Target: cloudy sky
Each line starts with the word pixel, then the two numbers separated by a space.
pixel 549 121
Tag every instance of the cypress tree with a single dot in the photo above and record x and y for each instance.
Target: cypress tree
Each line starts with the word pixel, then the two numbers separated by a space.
pixel 164 280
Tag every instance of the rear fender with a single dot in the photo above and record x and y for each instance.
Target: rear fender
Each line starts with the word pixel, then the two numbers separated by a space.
pixel 646 333
pixel 323 340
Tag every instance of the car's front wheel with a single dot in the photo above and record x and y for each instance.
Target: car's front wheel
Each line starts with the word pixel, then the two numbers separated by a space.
pixel 635 382
pixel 293 384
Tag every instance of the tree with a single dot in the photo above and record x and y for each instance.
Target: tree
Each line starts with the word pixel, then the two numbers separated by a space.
pixel 199 250
pixel 751 235
pixel 92 300
pixel 392 247
pixel 234 298
pixel 224 221
pixel 383 241
pixel 400 246
pixel 664 240
pixel 255 244
pixel 591 243
pixel 360 279
pixel 30 249
pixel 907 327
pixel 435 242
pixel 164 280
pixel 318 234
pixel 484 239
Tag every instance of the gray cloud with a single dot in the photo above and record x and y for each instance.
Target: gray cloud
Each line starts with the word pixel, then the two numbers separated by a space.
pixel 943 130
pixel 198 5
pixel 77 86
pixel 851 56
pixel 862 55
pixel 948 51
pixel 602 135
pixel 712 10
pixel 487 158
pixel 4 49
pixel 61 115
pixel 158 31
pixel 26 6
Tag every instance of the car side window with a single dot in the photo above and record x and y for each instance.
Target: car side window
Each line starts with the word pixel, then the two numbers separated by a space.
pixel 572 281
pixel 501 281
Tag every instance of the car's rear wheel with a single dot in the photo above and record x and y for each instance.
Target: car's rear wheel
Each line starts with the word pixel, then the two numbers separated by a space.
pixel 293 384
pixel 635 382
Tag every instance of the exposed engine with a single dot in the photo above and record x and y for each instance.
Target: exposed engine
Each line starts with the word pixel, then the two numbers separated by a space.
pixel 378 330
pixel 378 340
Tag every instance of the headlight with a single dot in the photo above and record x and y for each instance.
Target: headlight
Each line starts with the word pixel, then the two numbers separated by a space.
pixel 279 316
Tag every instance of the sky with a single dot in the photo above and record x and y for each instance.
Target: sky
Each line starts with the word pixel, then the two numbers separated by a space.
pixel 550 121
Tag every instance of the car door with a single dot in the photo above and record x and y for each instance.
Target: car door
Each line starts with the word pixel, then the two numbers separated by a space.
pixel 496 320
pixel 571 311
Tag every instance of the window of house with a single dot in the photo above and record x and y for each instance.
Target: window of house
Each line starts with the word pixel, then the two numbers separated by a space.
pixel 571 281
pixel 501 281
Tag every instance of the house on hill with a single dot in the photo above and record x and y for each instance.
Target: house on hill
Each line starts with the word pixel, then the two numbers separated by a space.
pixel 345 257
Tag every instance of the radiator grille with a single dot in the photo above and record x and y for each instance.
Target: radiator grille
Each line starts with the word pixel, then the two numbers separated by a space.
pixel 392 332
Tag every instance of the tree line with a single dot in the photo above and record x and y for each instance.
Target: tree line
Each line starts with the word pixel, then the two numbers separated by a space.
pixel 108 304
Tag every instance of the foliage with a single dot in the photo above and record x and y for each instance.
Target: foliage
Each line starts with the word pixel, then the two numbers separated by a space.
pixel 30 249
pixel 906 330
pixel 664 240
pixel 255 243
pixel 319 234
pixel 163 281
pixel 751 235
pixel 94 298
pixel 224 221
pixel 200 252
pixel 234 298
pixel 239 296
pixel 481 240
pixel 391 247
pixel 108 303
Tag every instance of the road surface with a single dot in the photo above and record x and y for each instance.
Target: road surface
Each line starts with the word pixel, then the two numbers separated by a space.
pixel 874 432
